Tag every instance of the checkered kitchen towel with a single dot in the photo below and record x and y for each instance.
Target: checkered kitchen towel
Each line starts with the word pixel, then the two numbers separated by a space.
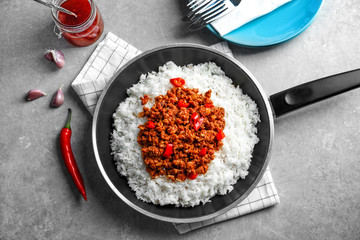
pixel 107 58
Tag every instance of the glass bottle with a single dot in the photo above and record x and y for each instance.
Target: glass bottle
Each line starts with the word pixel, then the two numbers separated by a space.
pixel 80 31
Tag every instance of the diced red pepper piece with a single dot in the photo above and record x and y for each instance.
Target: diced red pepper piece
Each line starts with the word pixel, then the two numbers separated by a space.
pixel 192 176
pixel 150 124
pixel 220 135
pixel 182 103
pixel 194 117
pixel 208 105
pixel 177 82
pixel 198 123
pixel 203 152
pixel 168 150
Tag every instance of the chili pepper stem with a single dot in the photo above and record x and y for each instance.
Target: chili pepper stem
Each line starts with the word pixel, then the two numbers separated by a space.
pixel 69 119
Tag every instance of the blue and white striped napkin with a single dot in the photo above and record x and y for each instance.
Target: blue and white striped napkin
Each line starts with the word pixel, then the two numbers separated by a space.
pixel 108 57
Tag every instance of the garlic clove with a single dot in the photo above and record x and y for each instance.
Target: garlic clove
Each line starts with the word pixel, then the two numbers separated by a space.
pixel 59 59
pixel 34 94
pixel 58 98
pixel 48 55
pixel 55 56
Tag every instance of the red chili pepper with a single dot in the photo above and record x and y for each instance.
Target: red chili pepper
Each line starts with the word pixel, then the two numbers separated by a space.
pixel 168 150
pixel 68 157
pixel 150 124
pixel 192 176
pixel 208 105
pixel 177 82
pixel 182 103
pixel 203 152
pixel 220 135
pixel 194 117
pixel 198 123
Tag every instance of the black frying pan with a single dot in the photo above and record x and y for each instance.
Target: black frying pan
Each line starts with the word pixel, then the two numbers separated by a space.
pixel 182 54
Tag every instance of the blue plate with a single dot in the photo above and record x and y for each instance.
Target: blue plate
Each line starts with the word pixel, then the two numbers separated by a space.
pixel 279 26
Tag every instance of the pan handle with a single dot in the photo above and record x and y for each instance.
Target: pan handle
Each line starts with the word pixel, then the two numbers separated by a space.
pixel 314 91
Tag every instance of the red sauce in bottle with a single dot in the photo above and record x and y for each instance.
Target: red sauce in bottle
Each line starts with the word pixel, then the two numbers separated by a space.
pixel 86 28
pixel 81 8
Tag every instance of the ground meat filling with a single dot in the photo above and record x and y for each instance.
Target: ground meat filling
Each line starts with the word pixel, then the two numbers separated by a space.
pixel 173 123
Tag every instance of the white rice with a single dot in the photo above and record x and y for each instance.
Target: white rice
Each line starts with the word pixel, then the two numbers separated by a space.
pixel 230 163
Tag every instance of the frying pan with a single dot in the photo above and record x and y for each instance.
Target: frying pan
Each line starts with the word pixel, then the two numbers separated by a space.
pixel 182 54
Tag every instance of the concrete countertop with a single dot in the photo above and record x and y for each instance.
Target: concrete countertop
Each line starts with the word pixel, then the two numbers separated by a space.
pixel 315 156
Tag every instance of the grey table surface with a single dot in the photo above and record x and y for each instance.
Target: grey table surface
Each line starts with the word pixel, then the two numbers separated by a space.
pixel 315 155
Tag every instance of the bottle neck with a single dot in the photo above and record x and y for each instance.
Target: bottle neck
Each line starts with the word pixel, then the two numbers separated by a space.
pixel 74 28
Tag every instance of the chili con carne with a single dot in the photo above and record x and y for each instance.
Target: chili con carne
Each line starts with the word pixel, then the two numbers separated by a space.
pixel 174 148
pixel 68 156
